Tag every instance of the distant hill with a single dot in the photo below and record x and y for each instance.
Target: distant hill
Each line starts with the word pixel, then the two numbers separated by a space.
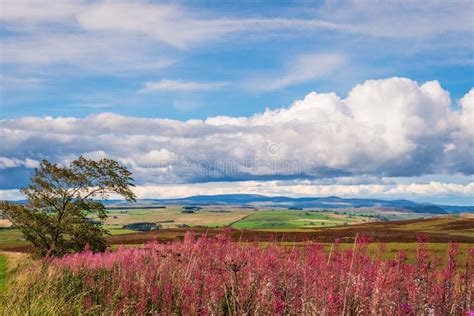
pixel 330 202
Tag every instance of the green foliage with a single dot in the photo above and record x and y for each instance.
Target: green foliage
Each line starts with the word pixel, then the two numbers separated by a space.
pixel 61 201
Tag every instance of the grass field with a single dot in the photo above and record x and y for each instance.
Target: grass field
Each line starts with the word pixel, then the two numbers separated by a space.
pixel 391 250
pixel 291 226
pixel 172 216
pixel 10 239
pixel 11 235
pixel 291 219
pixel 3 268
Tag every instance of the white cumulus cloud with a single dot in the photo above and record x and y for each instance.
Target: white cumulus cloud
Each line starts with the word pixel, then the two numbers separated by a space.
pixel 384 128
pixel 6 163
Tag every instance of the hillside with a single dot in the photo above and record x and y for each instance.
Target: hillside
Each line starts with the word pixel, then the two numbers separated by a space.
pixel 330 202
pixel 436 230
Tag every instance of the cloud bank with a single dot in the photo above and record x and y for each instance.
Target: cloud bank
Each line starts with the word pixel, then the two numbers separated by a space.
pixel 98 32
pixel 383 128
pixel 432 191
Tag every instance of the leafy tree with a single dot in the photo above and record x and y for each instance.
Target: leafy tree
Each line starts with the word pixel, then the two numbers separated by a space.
pixel 62 201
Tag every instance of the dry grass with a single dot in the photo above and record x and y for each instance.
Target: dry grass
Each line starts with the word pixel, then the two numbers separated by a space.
pixel 4 223
pixel 11 261
pixel 15 259
pixel 31 292
pixel 446 225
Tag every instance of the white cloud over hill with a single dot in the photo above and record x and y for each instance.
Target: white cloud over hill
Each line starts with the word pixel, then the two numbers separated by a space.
pixel 383 128
pixel 432 191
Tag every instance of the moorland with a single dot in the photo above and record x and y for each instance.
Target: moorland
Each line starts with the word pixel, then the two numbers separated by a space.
pixel 359 240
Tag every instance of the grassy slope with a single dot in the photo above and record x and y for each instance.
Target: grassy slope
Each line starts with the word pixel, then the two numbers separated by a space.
pixel 11 238
pixel 11 235
pixel 392 249
pixel 285 219
pixel 448 225
pixel 387 232
pixel 439 230
pixel 3 267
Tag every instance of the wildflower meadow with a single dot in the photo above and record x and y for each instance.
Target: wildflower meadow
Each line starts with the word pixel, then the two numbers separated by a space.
pixel 215 276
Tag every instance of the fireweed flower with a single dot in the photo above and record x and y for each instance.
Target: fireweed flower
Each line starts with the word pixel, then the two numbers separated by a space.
pixel 215 276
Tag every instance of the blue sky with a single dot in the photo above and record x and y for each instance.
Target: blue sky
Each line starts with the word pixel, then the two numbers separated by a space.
pixel 75 75
pixel 184 60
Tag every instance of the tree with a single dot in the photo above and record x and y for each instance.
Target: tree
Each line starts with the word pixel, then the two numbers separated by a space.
pixel 62 202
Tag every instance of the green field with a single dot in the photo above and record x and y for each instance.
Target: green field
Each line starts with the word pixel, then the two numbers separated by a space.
pixel 290 219
pixel 11 235
pixel 391 250
pixel 11 238
pixel 3 267
pixel 322 225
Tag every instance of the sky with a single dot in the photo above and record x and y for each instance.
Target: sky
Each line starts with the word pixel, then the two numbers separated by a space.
pixel 301 98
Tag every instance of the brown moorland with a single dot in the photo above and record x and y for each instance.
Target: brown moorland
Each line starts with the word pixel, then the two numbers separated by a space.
pixel 436 230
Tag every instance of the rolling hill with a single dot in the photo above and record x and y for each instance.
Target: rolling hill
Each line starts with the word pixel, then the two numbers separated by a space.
pixel 330 202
